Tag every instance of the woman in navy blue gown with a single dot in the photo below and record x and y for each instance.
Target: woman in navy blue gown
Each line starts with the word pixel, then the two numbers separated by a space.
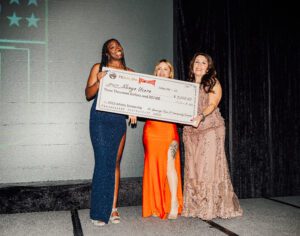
pixel 107 131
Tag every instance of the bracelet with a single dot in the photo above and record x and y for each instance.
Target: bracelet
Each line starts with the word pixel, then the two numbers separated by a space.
pixel 203 117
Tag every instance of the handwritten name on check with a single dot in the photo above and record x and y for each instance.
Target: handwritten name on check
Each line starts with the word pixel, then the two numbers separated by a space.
pixel 148 96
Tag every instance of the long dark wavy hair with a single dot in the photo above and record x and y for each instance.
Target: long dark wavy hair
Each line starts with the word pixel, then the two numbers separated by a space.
pixel 104 57
pixel 210 78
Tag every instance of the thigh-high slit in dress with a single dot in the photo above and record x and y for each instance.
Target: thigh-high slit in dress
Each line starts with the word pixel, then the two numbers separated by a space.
pixel 157 138
pixel 106 131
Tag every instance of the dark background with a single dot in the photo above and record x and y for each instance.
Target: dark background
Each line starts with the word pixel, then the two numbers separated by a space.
pixel 255 47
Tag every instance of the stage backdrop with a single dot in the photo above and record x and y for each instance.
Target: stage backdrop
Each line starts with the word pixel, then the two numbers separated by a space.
pixel 47 48
pixel 255 45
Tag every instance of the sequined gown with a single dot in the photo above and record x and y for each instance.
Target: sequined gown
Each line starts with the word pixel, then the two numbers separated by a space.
pixel 208 191
pixel 157 137
pixel 106 131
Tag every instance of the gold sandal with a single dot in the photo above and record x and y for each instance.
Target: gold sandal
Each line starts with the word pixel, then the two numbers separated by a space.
pixel 115 219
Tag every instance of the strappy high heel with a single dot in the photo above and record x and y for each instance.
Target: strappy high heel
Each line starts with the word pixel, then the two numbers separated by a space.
pixel 115 219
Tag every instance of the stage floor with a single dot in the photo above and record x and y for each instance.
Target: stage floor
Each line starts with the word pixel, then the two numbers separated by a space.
pixel 263 217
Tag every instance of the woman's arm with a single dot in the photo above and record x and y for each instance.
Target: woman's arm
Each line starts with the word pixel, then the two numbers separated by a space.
pixel 214 99
pixel 93 82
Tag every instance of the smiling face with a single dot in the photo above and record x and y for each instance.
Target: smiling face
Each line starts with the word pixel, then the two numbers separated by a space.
pixel 115 50
pixel 200 66
pixel 164 69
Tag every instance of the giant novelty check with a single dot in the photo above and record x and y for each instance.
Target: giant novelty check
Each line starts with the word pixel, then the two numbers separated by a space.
pixel 148 96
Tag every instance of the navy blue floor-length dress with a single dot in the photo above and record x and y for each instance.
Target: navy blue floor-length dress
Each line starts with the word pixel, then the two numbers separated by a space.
pixel 106 130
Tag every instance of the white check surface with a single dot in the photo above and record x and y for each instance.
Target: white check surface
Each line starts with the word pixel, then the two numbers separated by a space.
pixel 148 96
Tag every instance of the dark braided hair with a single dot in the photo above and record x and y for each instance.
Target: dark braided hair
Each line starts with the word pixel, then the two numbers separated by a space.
pixel 104 57
pixel 210 78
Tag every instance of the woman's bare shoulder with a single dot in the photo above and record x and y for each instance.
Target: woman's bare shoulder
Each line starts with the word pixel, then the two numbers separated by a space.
pixel 96 65
pixel 129 69
pixel 217 87
pixel 95 68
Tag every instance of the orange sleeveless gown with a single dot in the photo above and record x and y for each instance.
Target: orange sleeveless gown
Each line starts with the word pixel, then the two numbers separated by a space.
pixel 157 138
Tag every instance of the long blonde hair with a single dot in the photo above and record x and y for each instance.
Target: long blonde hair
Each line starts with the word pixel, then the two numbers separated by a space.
pixel 169 64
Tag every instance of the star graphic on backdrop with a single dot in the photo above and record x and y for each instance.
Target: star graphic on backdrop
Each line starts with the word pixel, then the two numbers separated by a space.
pixel 14 19
pixel 14 1
pixel 32 21
pixel 34 2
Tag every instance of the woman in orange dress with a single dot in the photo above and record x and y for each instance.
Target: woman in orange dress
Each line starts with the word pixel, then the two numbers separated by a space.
pixel 162 188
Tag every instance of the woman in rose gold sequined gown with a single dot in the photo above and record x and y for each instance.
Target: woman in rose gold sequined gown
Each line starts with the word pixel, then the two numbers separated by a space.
pixel 208 191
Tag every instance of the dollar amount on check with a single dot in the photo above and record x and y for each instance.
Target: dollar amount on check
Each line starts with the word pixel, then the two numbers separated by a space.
pixel 148 96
